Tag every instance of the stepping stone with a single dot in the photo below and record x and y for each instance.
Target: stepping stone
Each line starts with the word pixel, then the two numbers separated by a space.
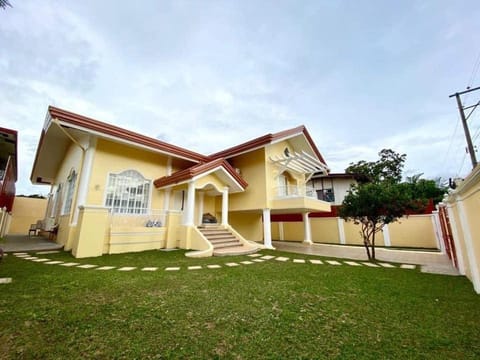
pixel 47 252
pixel 333 262
pixel 87 266
pixel 126 268
pixel 194 267
pixel 172 269
pixel 386 265
pixel 104 267
pixel 316 262
pixel 20 253
pixel 267 257
pixel 258 260
pixel 69 264
pixel 370 264
pixel 255 255
pixel 299 261
pixel 22 256
pixel 30 258
pixel 41 260
pixel 281 258
pixel 5 280
pixel 213 266
pixel 150 269
pixel 54 262
pixel 232 264
pixel 408 266
pixel 352 263
pixel 246 262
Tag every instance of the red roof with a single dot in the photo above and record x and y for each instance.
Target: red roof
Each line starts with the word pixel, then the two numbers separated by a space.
pixel 265 140
pixel 104 128
pixel 199 169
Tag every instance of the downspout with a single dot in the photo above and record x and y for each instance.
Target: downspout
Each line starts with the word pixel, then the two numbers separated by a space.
pixel 75 193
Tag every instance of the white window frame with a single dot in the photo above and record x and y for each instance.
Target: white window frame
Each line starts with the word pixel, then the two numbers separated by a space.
pixel 121 185
pixel 69 191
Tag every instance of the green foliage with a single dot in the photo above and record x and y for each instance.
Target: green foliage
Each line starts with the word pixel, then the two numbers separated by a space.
pixel 424 189
pixel 379 198
pixel 387 168
pixel 372 205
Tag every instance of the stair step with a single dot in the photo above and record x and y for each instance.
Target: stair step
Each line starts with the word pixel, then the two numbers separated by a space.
pixel 227 245
pixel 223 240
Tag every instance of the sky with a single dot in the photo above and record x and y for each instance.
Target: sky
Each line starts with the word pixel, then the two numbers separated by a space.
pixel 207 75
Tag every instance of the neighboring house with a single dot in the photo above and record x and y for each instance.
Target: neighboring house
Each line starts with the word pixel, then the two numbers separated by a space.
pixel 113 190
pixel 8 167
pixel 332 187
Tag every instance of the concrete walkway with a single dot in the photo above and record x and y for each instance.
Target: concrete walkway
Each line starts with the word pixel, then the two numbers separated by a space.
pixel 432 261
pixel 16 243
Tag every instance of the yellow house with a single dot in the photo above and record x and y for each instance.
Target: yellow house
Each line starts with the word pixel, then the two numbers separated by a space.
pixel 113 190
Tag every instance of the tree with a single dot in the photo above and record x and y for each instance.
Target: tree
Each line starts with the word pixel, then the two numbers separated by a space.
pixel 388 168
pixel 378 198
pixel 424 189
pixel 4 4
pixel 372 205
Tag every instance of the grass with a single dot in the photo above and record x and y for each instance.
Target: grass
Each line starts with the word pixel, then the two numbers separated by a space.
pixel 266 310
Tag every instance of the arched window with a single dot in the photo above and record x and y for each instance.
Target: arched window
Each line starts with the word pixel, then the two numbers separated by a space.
pixel 128 192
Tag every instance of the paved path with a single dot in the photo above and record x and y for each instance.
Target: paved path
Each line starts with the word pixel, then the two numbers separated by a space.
pixel 431 261
pixel 41 257
pixel 17 243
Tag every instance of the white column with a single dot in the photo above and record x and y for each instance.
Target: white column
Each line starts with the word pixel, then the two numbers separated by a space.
pixel 386 236
pixel 201 198
pixel 467 237
pixel 84 179
pixel 307 230
pixel 456 240
pixel 281 233
pixel 166 205
pixel 225 206
pixel 438 231
pixel 267 232
pixel 341 230
pixel 189 211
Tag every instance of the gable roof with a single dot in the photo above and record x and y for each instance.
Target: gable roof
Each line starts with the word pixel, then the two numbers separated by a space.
pixel 202 169
pixel 92 125
pixel 266 140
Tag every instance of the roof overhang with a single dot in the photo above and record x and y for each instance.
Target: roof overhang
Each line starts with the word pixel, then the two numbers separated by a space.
pixel 220 168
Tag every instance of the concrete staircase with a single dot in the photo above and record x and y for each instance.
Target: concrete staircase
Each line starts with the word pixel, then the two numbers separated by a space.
pixel 223 241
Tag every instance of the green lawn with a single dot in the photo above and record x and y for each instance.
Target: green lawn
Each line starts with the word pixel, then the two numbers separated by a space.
pixel 264 310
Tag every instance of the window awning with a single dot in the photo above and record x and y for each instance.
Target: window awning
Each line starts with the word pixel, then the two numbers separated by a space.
pixel 301 163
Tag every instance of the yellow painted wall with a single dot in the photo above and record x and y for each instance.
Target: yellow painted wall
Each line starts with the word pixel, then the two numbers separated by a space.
pixel 460 240
pixel 112 157
pixel 417 230
pixel 293 231
pixel 134 239
pixel 252 167
pixel 210 179
pixel 26 211
pixel 93 223
pixel 471 205
pixel 325 230
pixel 414 231
pixel 249 225
pixel 273 170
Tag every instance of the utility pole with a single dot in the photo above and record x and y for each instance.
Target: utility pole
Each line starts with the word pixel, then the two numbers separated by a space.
pixel 461 109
